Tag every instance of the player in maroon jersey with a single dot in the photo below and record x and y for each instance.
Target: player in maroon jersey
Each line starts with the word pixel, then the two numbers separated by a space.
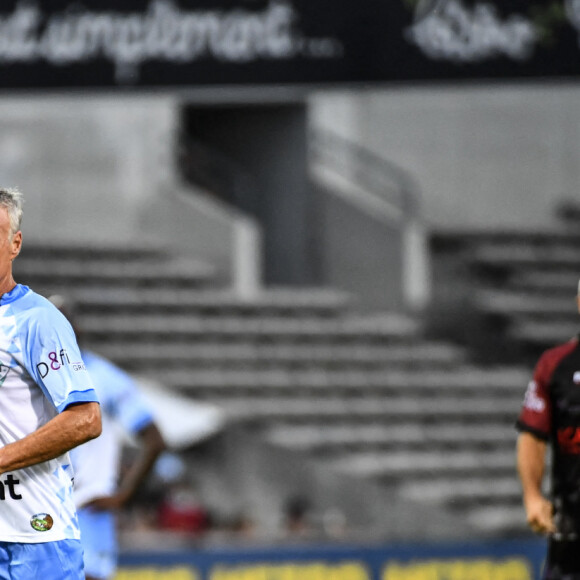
pixel 550 415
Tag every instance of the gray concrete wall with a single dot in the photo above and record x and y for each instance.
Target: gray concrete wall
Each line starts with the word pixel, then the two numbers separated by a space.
pixel 493 157
pixel 360 251
pixel 85 164
pixel 490 157
pixel 101 169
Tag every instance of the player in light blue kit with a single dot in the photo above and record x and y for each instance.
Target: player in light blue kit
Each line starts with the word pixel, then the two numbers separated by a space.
pixel 47 406
pixel 97 491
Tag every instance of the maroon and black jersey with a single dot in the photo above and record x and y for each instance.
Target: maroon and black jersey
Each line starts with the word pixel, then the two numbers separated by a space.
pixel 551 411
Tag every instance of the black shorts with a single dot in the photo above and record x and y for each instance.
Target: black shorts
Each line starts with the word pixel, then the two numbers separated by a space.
pixel 563 560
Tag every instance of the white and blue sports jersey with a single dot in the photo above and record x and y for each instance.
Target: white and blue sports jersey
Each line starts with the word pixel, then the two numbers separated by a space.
pixel 124 412
pixel 41 373
pixel 96 463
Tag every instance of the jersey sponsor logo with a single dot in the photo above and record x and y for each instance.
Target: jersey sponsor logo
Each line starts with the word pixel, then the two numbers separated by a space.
pixel 9 484
pixel 576 378
pixel 532 401
pixel 56 361
pixel 41 522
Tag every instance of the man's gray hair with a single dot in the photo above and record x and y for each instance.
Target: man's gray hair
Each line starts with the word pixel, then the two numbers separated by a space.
pixel 11 200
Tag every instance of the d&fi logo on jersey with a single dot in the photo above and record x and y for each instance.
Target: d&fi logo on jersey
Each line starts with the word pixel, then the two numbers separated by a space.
pixel 41 522
pixel 56 361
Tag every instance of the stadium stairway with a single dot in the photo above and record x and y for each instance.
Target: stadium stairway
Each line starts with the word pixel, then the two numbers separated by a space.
pixel 506 296
pixel 519 289
pixel 368 396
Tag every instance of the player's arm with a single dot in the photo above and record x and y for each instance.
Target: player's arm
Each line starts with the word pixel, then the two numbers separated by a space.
pixel 531 462
pixel 151 445
pixel 76 424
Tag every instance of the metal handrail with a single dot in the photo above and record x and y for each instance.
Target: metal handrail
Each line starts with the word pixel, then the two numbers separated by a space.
pixel 376 175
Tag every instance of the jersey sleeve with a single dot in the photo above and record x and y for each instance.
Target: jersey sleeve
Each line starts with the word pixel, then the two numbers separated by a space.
pixel 536 415
pixel 124 401
pixel 53 359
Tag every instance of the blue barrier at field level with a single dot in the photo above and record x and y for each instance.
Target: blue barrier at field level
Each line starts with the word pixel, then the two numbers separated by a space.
pixel 497 560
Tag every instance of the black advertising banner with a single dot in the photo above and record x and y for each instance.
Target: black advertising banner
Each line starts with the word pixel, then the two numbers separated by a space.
pixel 188 43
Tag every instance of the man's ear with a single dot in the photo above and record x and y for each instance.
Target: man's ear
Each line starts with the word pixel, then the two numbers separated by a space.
pixel 16 244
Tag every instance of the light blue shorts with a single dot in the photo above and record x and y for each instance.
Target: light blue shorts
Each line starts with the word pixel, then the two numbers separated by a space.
pixel 99 542
pixel 61 560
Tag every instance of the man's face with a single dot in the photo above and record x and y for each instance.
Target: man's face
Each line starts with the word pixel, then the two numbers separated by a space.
pixel 9 248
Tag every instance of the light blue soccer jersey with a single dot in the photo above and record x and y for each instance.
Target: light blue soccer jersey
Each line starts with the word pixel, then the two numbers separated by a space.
pixel 96 463
pixel 41 373
pixel 124 412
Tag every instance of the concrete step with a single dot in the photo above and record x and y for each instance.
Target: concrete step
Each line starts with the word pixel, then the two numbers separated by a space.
pixel 212 353
pixel 398 409
pixel 545 332
pixel 299 302
pixel 523 255
pixel 465 490
pixel 494 520
pixel 387 326
pixel 547 282
pixel 468 239
pixel 41 273
pixel 425 464
pixel 98 251
pixel 324 438
pixel 517 304
pixel 499 384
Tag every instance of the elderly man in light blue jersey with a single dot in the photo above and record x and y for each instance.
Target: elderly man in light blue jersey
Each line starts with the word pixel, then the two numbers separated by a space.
pixel 47 406
pixel 98 491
